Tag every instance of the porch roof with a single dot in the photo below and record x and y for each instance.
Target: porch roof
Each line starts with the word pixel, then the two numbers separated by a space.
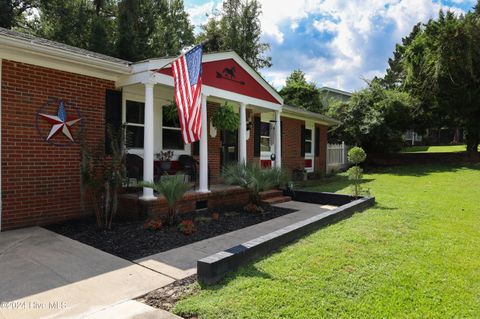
pixel 252 89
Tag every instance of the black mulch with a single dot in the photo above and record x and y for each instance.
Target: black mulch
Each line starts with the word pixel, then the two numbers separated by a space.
pixel 129 239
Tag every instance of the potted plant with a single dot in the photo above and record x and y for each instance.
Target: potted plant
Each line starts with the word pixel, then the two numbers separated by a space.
pixel 165 158
pixel 225 119
pixel 170 112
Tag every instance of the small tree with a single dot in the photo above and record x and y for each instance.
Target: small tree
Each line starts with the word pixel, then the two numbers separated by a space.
pixel 172 188
pixel 355 173
pixel 102 177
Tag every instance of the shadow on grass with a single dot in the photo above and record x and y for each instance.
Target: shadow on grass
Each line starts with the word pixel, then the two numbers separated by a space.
pixel 333 184
pixel 414 149
pixel 246 271
pixel 422 169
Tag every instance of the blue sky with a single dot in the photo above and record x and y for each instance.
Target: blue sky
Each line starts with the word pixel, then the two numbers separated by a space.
pixel 337 43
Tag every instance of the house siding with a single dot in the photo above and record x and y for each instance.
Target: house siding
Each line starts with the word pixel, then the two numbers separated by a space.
pixel 40 181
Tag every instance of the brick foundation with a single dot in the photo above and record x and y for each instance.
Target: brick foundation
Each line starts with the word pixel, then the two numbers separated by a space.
pixel 132 206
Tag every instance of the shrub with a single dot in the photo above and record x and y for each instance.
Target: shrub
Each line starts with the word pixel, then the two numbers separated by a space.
pixel 254 178
pixel 187 227
pixel 173 188
pixel 153 224
pixel 355 173
pixel 356 155
pixel 102 176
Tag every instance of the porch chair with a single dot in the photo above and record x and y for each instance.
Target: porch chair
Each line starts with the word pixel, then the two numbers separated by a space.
pixel 189 167
pixel 134 166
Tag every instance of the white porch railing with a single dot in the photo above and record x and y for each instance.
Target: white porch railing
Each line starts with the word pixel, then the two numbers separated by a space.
pixel 336 157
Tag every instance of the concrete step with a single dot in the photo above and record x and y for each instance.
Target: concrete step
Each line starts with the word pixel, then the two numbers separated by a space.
pixel 271 193
pixel 276 200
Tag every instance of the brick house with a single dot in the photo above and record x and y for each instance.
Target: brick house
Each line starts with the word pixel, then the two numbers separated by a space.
pixel 43 82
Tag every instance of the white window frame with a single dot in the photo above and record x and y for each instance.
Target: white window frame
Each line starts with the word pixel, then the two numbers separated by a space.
pixel 269 152
pixel 310 155
pixel 124 119
pixel 176 152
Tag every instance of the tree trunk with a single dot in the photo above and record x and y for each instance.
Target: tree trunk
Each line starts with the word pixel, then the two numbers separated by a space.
pixel 473 139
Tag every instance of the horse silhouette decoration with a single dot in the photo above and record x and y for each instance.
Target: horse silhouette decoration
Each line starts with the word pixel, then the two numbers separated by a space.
pixel 229 74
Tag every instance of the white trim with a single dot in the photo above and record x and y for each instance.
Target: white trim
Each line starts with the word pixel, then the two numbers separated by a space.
pixel 148 141
pixel 34 53
pixel 309 125
pixel 1 145
pixel 203 166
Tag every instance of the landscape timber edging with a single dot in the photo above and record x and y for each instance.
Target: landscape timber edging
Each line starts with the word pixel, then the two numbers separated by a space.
pixel 214 268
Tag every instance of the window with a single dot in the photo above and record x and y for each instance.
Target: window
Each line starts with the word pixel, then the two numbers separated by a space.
pixel 308 141
pixel 265 137
pixel 171 133
pixel 134 122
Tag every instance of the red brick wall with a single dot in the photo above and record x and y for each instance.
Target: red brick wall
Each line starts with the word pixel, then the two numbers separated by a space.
pixel 291 147
pixel 41 182
pixel 291 152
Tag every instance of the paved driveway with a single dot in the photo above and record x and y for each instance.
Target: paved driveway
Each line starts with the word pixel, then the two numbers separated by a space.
pixel 46 275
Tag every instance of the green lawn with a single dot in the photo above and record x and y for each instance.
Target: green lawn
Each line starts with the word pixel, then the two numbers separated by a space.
pixel 435 149
pixel 416 254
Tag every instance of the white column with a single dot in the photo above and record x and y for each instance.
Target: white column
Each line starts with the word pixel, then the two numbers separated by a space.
pixel 148 135
pixel 278 140
pixel 203 184
pixel 242 135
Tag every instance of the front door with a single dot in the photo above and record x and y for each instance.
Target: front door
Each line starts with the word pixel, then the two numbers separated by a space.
pixel 229 148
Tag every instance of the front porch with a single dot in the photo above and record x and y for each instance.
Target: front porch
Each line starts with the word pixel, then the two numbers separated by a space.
pixel 145 98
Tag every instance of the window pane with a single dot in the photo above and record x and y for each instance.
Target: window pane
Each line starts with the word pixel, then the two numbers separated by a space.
pixel 264 129
pixel 172 139
pixel 264 144
pixel 135 112
pixel 308 134
pixel 134 136
pixel 308 147
pixel 170 117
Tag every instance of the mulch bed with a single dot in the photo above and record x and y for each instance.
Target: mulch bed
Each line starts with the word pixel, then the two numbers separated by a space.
pixel 129 239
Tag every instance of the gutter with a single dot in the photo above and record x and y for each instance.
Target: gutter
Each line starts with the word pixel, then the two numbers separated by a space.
pixel 67 56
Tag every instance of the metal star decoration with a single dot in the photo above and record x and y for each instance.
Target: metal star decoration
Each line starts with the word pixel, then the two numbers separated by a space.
pixel 60 122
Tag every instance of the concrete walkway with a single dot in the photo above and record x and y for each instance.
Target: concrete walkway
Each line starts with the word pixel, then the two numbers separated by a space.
pixel 46 275
pixel 182 262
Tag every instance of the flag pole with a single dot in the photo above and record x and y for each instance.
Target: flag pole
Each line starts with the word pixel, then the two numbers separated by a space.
pixel 201 43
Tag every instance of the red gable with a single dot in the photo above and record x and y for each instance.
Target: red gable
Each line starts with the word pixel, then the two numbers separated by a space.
pixel 228 75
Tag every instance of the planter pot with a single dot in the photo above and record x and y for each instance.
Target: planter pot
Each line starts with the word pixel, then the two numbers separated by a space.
pixel 165 165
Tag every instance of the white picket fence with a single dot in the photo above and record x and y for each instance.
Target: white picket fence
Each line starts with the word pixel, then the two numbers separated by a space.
pixel 336 157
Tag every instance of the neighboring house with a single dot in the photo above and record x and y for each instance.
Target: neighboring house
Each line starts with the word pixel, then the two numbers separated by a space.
pixel 50 92
pixel 330 95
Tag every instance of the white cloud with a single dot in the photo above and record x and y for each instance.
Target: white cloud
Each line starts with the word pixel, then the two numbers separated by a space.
pixel 199 13
pixel 359 27
pixel 362 33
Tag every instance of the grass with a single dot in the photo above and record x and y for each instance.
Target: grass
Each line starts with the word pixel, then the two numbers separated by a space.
pixel 414 255
pixel 435 149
